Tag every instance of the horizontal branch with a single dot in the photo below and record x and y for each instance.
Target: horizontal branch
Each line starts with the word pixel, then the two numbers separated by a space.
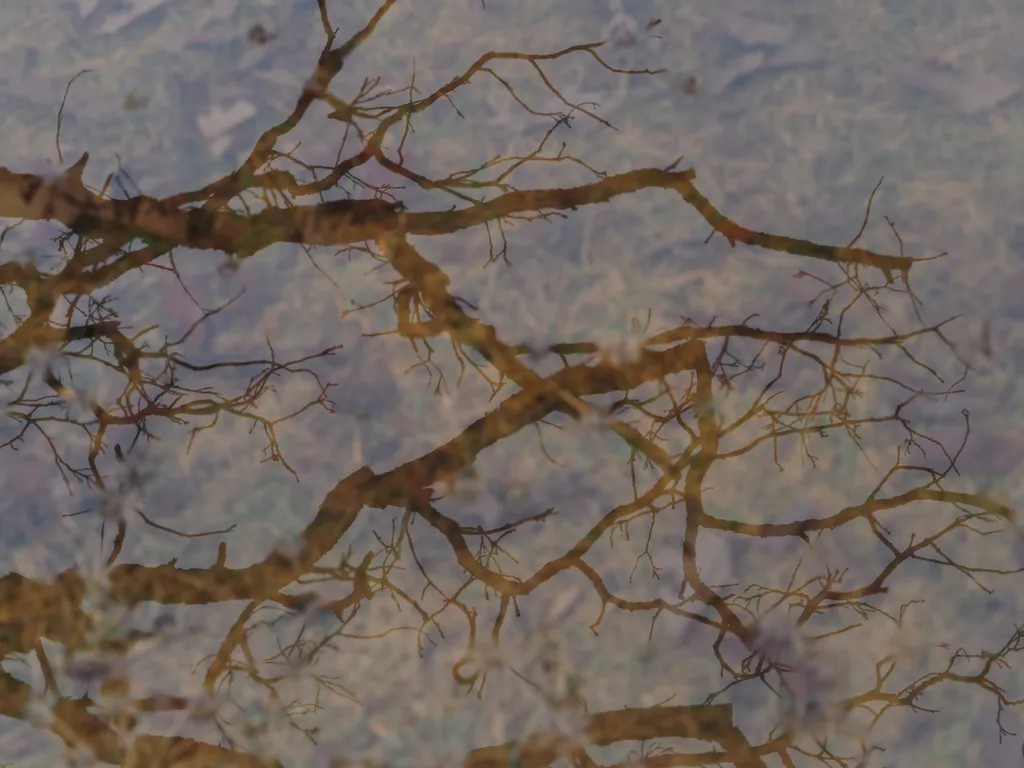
pixel 341 222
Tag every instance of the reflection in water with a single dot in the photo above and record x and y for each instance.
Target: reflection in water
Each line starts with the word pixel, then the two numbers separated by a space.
pixel 721 539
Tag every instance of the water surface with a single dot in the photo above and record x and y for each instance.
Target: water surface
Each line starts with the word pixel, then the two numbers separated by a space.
pixel 494 384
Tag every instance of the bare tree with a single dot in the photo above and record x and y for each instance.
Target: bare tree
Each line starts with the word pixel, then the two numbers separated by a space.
pixel 685 403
